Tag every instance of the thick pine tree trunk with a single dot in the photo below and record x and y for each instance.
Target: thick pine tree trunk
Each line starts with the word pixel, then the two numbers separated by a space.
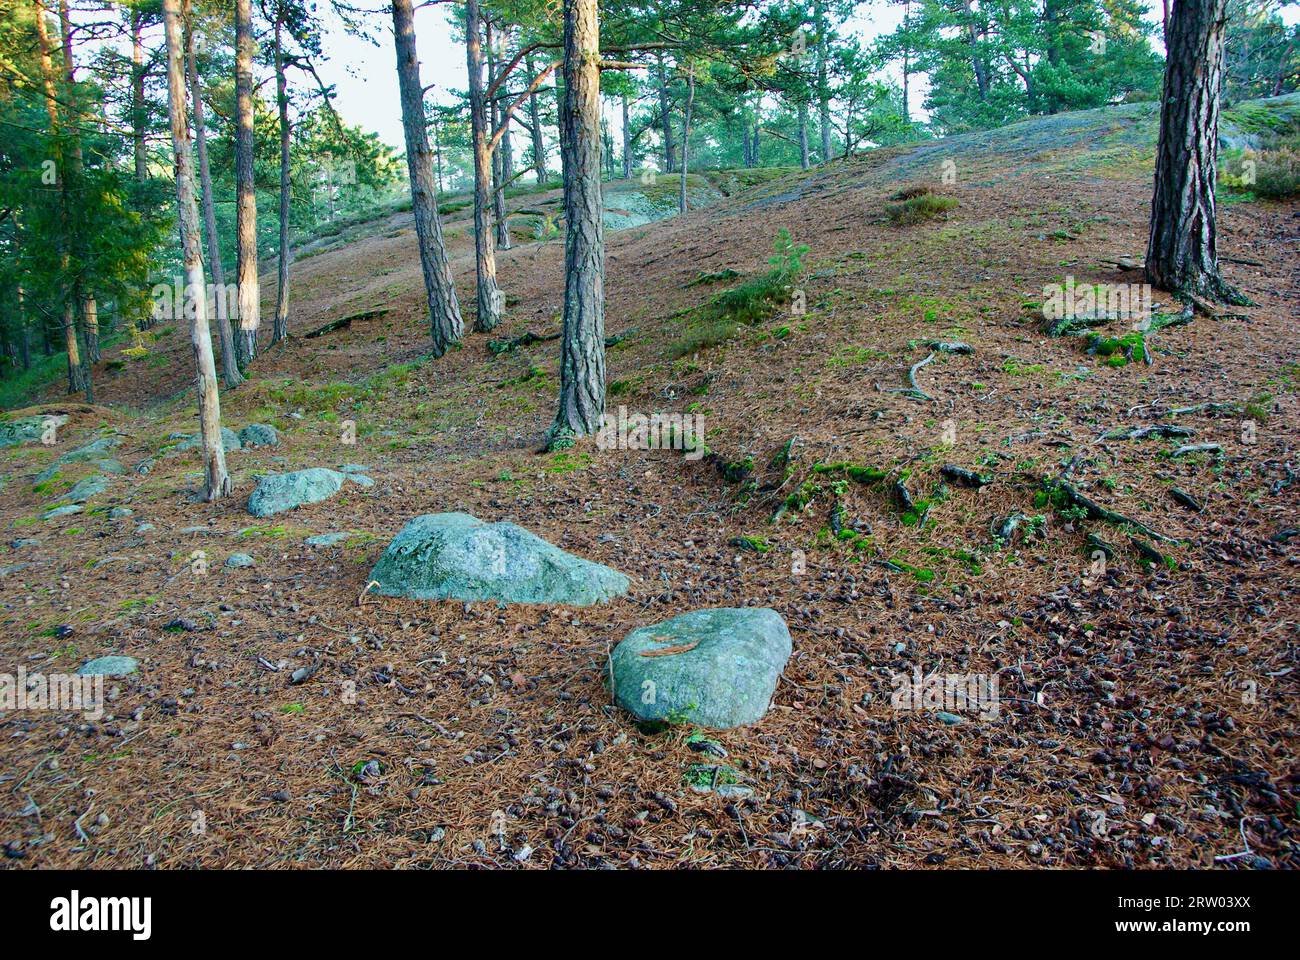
pixel 245 188
pixel 489 298
pixel 1181 251
pixel 280 327
pixel 196 308
pixel 444 311
pixel 582 351
pixel 230 374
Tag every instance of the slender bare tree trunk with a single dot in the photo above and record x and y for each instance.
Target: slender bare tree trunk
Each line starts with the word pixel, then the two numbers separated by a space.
pixel 907 64
pixel 686 135
pixel 196 307
pixel 627 137
pixel 489 298
pixel 74 163
pixel 230 374
pixel 535 118
pixel 805 159
pixel 665 117
pixel 582 350
pixel 280 327
pixel 245 189
pixel 76 381
pixel 493 113
pixel 823 84
pixel 137 96
pixel 1181 252
pixel 445 324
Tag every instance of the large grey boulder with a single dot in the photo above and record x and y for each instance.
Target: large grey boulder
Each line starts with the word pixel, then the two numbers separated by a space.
pixel 454 556
pixel 716 668
pixel 277 492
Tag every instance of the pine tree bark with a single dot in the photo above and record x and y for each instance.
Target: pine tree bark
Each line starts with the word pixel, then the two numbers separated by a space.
pixel 214 457
pixel 245 188
pixel 1182 255
pixel 445 325
pixel 280 326
pixel 485 264
pixel 582 351
pixel 230 374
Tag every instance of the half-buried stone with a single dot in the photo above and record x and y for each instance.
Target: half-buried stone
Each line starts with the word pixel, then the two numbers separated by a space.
pixel 716 668
pixel 454 556
pixel 277 492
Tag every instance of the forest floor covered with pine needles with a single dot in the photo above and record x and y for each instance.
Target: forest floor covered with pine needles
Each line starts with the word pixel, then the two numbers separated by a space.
pixel 1148 704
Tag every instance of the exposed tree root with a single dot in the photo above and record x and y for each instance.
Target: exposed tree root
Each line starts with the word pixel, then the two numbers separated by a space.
pixel 1096 511
pixel 914 392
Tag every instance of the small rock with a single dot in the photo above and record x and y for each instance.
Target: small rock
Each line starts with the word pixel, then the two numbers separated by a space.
pixel 259 435
pixel 237 560
pixel 111 666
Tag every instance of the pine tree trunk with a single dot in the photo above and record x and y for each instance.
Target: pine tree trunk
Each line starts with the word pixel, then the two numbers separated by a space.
pixel 137 97
pixel 686 136
pixel 627 138
pixel 805 160
pixel 489 298
pixel 1181 251
pixel 245 188
pixel 535 118
pixel 74 164
pixel 582 351
pixel 823 84
pixel 493 113
pixel 76 382
pixel 214 457
pixel 445 324
pixel 90 313
pixel 280 327
pixel 230 374
pixel 665 119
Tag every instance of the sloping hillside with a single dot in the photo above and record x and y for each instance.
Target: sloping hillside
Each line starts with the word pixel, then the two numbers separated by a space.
pixel 1147 711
